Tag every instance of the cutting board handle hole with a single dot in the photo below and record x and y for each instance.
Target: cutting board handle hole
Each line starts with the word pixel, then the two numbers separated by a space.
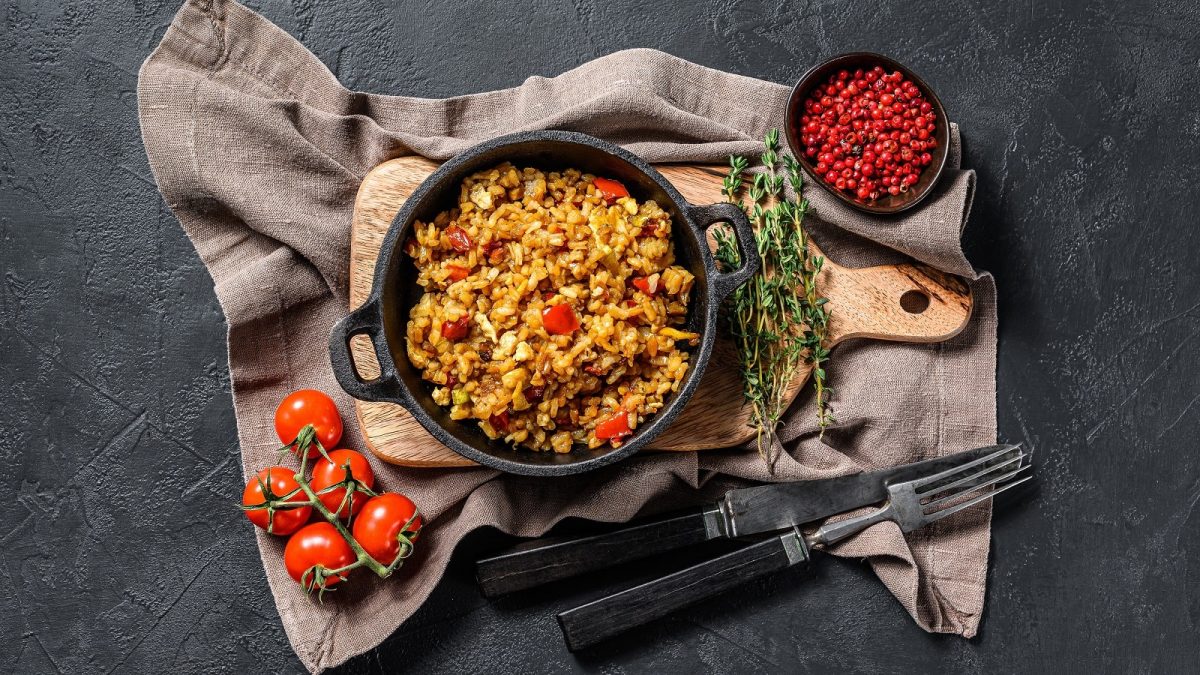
pixel 914 302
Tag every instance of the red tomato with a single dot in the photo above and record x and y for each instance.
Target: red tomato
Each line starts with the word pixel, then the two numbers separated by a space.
pixel 326 473
pixel 611 189
pixel 614 427
pixel 456 330
pixel 560 320
pixel 317 544
pixel 499 422
pixel 459 239
pixel 304 407
pixel 643 285
pixel 378 527
pixel 281 481
pixel 458 273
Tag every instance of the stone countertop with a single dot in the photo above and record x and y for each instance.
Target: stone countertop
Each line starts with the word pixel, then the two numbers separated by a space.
pixel 1080 119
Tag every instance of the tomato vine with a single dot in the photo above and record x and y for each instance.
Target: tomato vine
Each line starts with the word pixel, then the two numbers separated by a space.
pixel 320 577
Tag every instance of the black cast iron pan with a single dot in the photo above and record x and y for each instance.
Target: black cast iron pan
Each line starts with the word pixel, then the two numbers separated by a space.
pixel 384 315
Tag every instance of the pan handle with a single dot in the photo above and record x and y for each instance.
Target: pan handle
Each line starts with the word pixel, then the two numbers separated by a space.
pixel 725 212
pixel 366 320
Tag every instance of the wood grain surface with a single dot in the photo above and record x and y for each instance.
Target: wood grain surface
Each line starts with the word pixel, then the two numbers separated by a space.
pixel 908 302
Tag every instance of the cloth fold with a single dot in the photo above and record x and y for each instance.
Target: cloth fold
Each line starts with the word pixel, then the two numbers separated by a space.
pixel 258 151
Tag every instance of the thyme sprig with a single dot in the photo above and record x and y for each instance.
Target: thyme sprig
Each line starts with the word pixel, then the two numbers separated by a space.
pixel 778 319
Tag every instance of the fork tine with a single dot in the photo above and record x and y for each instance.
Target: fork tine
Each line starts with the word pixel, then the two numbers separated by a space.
pixel 922 482
pixel 929 518
pixel 931 507
pixel 1002 466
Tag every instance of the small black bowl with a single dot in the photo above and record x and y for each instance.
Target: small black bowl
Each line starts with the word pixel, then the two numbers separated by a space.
pixel 889 204
pixel 384 315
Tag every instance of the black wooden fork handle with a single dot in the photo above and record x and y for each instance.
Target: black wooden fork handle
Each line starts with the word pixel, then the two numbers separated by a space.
pixel 589 624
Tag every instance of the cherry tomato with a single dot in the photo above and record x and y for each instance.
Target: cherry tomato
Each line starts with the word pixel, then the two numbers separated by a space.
pixel 382 520
pixel 560 320
pixel 643 285
pixel 326 473
pixel 614 427
pixel 458 273
pixel 304 407
pixel 459 239
pixel 499 422
pixel 317 544
pixel 611 189
pixel 281 481
pixel 456 330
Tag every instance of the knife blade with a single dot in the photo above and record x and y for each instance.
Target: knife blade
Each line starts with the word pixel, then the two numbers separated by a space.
pixel 766 508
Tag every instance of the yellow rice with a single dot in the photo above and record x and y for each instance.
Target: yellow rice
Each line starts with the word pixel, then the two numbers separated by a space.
pixel 539 239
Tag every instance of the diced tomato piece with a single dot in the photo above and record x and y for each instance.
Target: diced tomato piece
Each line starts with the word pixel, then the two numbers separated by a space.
pixel 560 320
pixel 499 422
pixel 643 285
pixel 456 330
pixel 451 380
pixel 495 251
pixel 548 294
pixel 611 189
pixel 458 273
pixel 459 239
pixel 616 426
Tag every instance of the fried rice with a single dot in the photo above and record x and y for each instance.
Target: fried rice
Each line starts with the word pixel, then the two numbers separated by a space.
pixel 552 308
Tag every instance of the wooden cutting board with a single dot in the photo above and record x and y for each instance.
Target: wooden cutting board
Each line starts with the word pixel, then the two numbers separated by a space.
pixel 908 303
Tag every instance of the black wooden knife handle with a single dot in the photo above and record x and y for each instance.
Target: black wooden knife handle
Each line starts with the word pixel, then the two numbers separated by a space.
pixel 588 624
pixel 544 560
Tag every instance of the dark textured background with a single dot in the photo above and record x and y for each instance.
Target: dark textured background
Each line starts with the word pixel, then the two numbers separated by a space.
pixel 121 551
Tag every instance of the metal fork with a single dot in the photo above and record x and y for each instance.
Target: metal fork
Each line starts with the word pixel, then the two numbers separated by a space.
pixel 911 505
pixel 916 503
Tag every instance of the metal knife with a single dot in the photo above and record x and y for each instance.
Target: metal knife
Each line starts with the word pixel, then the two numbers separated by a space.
pixel 741 512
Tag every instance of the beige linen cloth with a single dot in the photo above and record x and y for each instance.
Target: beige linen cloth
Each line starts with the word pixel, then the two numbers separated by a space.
pixel 258 150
